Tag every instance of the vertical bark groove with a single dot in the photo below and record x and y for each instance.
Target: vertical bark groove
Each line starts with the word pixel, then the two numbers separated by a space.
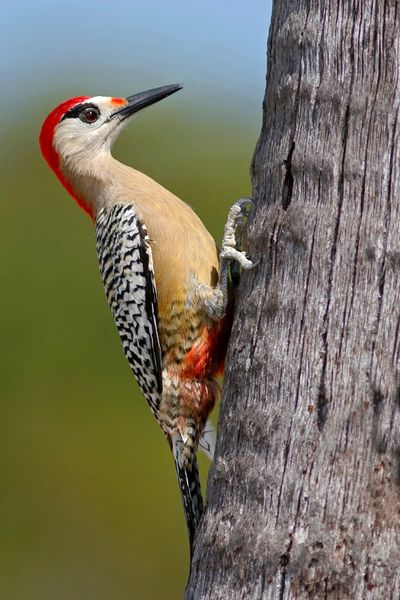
pixel 288 181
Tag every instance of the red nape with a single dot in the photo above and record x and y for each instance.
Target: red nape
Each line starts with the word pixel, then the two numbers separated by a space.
pixel 49 152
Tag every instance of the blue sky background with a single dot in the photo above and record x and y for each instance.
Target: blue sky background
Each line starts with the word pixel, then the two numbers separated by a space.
pixel 217 49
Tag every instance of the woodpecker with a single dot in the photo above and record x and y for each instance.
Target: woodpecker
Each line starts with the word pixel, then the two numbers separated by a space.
pixel 168 289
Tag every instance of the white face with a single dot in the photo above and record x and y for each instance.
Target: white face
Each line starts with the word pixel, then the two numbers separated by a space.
pixel 88 128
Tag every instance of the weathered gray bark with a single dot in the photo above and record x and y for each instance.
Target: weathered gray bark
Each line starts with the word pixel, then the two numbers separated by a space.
pixel 304 494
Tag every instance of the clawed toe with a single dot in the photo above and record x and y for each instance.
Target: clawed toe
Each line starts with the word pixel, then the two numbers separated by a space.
pixel 229 253
pixel 232 241
pixel 245 205
pixel 237 217
pixel 240 211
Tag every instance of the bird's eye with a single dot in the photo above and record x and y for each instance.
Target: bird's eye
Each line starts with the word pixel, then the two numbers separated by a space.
pixel 89 115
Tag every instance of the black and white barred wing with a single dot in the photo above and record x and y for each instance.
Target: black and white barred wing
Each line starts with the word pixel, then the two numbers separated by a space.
pixel 126 267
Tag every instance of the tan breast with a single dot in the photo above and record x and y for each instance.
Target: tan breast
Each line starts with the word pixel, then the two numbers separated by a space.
pixel 181 245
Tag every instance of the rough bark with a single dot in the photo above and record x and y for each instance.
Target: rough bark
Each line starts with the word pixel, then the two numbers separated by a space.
pixel 304 492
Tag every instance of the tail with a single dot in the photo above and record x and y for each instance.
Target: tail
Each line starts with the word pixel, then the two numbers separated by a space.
pixel 189 485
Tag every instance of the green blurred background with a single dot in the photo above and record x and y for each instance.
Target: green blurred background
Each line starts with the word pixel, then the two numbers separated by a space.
pixel 89 505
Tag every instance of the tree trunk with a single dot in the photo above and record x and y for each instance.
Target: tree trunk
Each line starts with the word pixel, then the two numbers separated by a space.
pixel 304 492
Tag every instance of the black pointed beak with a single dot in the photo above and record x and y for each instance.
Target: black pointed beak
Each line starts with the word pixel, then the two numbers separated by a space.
pixel 143 99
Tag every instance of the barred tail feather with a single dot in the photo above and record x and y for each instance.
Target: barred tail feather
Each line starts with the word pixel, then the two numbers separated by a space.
pixel 189 485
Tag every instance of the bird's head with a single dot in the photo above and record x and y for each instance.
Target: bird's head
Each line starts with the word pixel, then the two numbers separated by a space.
pixel 82 128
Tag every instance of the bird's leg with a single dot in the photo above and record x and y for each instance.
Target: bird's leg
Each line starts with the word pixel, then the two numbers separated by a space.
pixel 214 300
pixel 237 217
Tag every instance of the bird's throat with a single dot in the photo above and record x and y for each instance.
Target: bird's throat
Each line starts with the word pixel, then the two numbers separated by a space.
pixel 86 206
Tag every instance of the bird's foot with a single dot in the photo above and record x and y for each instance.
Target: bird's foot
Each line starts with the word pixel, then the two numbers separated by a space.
pixel 237 219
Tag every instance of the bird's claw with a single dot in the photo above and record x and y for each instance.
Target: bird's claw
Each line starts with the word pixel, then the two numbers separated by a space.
pixel 230 253
pixel 237 218
pixel 245 205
